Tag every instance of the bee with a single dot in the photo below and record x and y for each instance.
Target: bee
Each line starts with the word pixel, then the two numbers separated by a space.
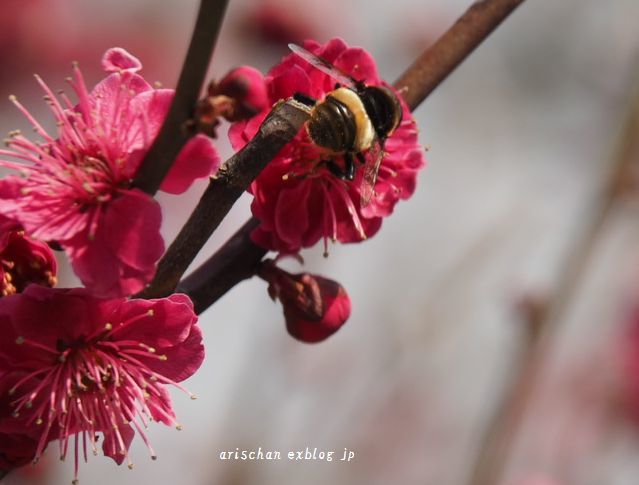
pixel 354 120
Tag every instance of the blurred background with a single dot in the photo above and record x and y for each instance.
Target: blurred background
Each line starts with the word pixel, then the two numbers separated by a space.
pixel 440 376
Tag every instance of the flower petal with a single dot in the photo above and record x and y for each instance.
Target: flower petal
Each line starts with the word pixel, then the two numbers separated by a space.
pixel 198 159
pixel 118 59
pixel 121 258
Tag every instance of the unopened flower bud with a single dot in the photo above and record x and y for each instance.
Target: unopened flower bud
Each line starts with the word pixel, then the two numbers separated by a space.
pixel 240 95
pixel 314 307
pixel 246 86
pixel 23 261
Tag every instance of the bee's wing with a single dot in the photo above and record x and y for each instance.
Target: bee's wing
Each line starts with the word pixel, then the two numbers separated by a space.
pixel 323 65
pixel 374 158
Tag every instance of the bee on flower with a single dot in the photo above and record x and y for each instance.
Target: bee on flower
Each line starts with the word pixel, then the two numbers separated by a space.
pixel 310 192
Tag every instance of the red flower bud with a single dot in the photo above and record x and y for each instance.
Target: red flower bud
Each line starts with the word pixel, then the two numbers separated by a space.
pixel 314 307
pixel 246 86
pixel 24 261
pixel 240 95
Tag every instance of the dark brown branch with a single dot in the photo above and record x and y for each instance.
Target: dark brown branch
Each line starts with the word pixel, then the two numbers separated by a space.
pixel 217 276
pixel 237 260
pixel 281 125
pixel 174 132
pixel 439 60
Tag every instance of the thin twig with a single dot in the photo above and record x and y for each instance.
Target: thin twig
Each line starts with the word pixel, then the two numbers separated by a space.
pixel 280 126
pixel 438 61
pixel 237 260
pixel 503 427
pixel 174 132
pixel 419 80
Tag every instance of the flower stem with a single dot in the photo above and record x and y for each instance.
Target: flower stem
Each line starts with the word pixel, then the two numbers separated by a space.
pixel 237 260
pixel 417 82
pixel 280 126
pixel 175 132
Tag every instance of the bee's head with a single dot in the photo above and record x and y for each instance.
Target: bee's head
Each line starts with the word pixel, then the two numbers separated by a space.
pixel 383 108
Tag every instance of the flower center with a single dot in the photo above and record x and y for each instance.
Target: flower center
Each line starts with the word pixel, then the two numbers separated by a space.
pixel 94 385
pixel 309 161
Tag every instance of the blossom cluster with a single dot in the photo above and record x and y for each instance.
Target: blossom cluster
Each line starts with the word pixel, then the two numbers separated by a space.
pixel 90 366
pixel 75 188
pixel 300 201
pixel 297 199
pixel 80 365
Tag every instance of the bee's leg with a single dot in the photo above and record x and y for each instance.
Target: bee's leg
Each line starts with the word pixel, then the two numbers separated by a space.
pixel 335 169
pixel 304 99
pixel 338 85
pixel 346 173
pixel 349 172
pixel 360 158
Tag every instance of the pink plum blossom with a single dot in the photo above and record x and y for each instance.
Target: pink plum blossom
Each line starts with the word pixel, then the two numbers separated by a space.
pixel 297 199
pixel 73 366
pixel 74 187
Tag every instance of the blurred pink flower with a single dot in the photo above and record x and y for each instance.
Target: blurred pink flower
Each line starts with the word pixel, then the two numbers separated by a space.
pixel 297 199
pixel 629 364
pixel 281 22
pixel 76 189
pixel 284 21
pixel 76 366
pixel 314 307
pixel 536 480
